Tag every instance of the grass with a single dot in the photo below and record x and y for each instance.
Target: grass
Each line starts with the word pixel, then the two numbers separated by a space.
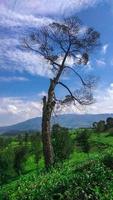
pixel 70 180
pixel 82 177
pixel 30 164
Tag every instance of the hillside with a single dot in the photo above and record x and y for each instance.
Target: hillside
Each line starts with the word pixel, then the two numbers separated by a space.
pixel 82 176
pixel 69 121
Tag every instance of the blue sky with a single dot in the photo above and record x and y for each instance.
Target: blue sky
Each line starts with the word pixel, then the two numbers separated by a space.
pixel 24 76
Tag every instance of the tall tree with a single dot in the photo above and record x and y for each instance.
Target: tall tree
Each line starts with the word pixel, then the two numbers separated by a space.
pixel 57 43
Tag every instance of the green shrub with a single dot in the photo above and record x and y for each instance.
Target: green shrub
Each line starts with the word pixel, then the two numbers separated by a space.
pixel 20 156
pixel 62 142
pixel 111 132
pixel 82 141
pixel 108 160
pixel 36 147
pixel 91 181
pixel 6 166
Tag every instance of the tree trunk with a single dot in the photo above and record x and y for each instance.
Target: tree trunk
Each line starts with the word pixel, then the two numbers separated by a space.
pixel 48 106
pixel 46 139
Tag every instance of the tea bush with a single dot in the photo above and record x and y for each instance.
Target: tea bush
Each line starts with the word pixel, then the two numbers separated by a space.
pixel 89 181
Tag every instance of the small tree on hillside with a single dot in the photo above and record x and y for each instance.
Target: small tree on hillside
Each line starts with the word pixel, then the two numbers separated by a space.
pixel 62 142
pixel 82 141
pixel 20 156
pixel 6 166
pixel 26 138
pixel 94 125
pixel 36 144
pixel 101 126
pixel 109 122
pixel 58 43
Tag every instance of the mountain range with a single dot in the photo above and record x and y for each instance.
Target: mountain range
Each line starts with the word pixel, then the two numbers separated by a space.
pixel 67 120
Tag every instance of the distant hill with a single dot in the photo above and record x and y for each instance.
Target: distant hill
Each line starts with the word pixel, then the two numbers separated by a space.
pixel 68 120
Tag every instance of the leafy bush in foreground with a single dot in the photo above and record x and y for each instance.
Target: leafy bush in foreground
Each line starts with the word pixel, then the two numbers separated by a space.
pixel 6 166
pixel 62 142
pixel 111 132
pixel 19 158
pixel 108 161
pixel 91 181
pixel 82 140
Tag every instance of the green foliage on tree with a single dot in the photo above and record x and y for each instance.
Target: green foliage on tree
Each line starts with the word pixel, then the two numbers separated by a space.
pixel 94 125
pixel 108 160
pixel 82 141
pixel 20 139
pixel 111 131
pixel 109 122
pixel 101 126
pixel 26 137
pixel 36 146
pixel 62 142
pixel 4 142
pixel 6 166
pixel 20 156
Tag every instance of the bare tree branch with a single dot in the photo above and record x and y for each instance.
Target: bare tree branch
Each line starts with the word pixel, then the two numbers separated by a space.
pixel 39 52
pixel 71 97
pixel 80 77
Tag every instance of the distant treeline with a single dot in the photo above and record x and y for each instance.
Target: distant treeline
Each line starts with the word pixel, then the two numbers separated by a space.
pixel 104 125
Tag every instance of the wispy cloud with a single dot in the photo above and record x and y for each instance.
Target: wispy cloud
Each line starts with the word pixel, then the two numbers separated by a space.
pixel 17 21
pixel 23 61
pixel 13 78
pixel 11 18
pixel 15 109
pixel 100 62
pixel 18 109
pixel 14 27
pixel 50 7
pixel 104 48
pixel 104 101
pixel 41 94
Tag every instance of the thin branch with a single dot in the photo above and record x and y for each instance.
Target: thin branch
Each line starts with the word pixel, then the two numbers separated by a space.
pixel 57 41
pixel 37 51
pixel 83 82
pixel 81 102
pixel 73 97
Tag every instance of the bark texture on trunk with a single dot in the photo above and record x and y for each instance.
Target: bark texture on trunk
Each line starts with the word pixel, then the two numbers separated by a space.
pixel 48 106
pixel 46 138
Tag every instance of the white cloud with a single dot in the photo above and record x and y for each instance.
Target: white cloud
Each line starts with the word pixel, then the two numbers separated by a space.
pixel 42 94
pixel 14 27
pixel 104 101
pixel 26 62
pixel 104 48
pixel 50 7
pixel 100 62
pixel 89 66
pixel 15 109
pixel 11 18
pixel 19 21
pixel 13 78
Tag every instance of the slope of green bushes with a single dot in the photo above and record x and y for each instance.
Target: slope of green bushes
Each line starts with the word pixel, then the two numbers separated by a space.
pixel 91 180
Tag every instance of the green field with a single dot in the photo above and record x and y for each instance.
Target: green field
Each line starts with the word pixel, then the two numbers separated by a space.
pixel 82 176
